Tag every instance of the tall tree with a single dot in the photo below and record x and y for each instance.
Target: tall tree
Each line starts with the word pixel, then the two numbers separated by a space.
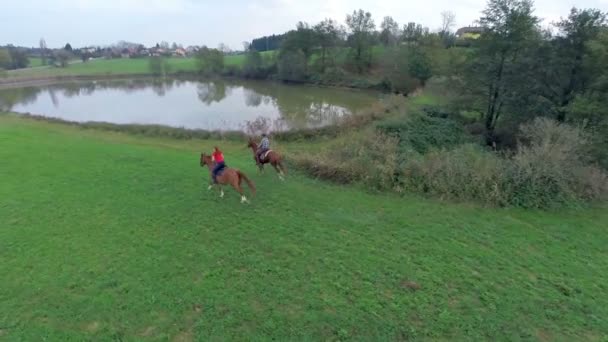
pixel 563 61
pixel 43 51
pixel 5 59
pixel 389 31
pixel 328 35
pixel 448 20
pixel 361 26
pixel 499 73
pixel 253 65
pixel 210 61
pixel 412 32
pixel 68 47
pixel 302 39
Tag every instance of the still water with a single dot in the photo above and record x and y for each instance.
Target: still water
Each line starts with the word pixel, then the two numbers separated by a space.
pixel 193 104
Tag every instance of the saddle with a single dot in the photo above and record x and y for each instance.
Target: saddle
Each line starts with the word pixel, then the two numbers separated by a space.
pixel 264 155
pixel 220 170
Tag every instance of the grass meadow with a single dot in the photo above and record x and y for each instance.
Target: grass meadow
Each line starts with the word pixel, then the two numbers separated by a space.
pixel 108 236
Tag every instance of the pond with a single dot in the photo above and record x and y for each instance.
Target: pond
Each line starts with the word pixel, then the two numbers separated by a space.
pixel 194 104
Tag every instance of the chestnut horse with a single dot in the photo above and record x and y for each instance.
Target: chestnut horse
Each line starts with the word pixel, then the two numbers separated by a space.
pixel 230 176
pixel 270 157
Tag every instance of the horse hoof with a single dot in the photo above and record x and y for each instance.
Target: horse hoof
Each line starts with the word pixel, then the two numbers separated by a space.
pixel 209 187
pixel 243 199
pixel 222 194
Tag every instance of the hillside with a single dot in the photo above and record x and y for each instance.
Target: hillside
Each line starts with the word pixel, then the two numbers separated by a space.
pixel 110 236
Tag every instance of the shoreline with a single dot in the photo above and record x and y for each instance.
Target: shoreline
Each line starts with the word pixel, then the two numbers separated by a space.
pixel 37 81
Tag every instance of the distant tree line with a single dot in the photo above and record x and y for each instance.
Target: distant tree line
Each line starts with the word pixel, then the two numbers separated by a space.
pixel 267 43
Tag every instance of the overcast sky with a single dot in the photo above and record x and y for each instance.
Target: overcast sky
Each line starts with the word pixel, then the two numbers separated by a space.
pixel 201 22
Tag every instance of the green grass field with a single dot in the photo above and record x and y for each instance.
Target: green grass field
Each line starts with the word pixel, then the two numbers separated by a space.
pixel 35 62
pixel 119 66
pixel 106 236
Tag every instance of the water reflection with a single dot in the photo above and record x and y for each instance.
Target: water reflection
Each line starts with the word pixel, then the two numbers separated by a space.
pixel 217 104
pixel 211 92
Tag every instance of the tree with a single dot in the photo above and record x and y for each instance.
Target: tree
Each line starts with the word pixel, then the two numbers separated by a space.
pixel 302 39
pixel 18 58
pixel 43 51
pixel 292 66
pixel 210 61
pixel 62 57
pixel 563 61
pixel 253 65
pixel 419 65
pixel 164 45
pixel 389 33
pixel 413 32
pixel 224 48
pixel 68 47
pixel 361 26
pixel 247 46
pixel 396 70
pixel 448 20
pixel 5 59
pixel 499 75
pixel 328 34
pixel 267 43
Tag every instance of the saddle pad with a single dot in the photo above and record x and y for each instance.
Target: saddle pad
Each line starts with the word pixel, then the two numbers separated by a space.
pixel 265 154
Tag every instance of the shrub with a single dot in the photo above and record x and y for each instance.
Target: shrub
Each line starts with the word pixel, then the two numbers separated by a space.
pixel 464 173
pixel 551 166
pixel 423 132
pixel 369 158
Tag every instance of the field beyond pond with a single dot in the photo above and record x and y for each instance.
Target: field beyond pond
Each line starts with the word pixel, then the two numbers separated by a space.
pixel 112 67
pixel 106 236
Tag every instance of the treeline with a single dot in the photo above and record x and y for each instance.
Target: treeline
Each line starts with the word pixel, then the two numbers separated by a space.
pixel 12 57
pixel 518 116
pixel 512 72
pixel 266 43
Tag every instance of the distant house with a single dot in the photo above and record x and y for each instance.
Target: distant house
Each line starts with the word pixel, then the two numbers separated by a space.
pixel 469 32
pixel 190 50
pixel 179 52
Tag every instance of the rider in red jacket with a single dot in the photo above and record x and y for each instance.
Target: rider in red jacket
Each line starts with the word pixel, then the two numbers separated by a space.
pixel 218 158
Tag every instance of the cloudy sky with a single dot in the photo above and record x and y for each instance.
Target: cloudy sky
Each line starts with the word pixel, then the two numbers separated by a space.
pixel 202 22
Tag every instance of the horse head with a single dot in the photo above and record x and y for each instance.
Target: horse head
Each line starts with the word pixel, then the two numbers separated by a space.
pixel 205 159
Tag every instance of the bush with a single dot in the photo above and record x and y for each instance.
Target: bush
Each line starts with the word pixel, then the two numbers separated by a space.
pixel 550 168
pixel 369 158
pixel 423 132
pixel 292 66
pixel 464 173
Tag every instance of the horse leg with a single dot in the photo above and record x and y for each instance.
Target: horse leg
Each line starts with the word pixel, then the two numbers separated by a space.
pixel 221 191
pixel 279 171
pixel 237 186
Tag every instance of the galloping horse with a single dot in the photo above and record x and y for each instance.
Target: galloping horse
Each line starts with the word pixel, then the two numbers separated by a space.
pixel 270 157
pixel 230 176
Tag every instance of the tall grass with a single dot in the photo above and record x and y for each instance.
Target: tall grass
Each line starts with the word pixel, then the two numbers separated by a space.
pixel 551 166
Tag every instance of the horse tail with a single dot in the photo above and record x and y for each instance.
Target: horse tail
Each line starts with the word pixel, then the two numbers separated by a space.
pixel 249 182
